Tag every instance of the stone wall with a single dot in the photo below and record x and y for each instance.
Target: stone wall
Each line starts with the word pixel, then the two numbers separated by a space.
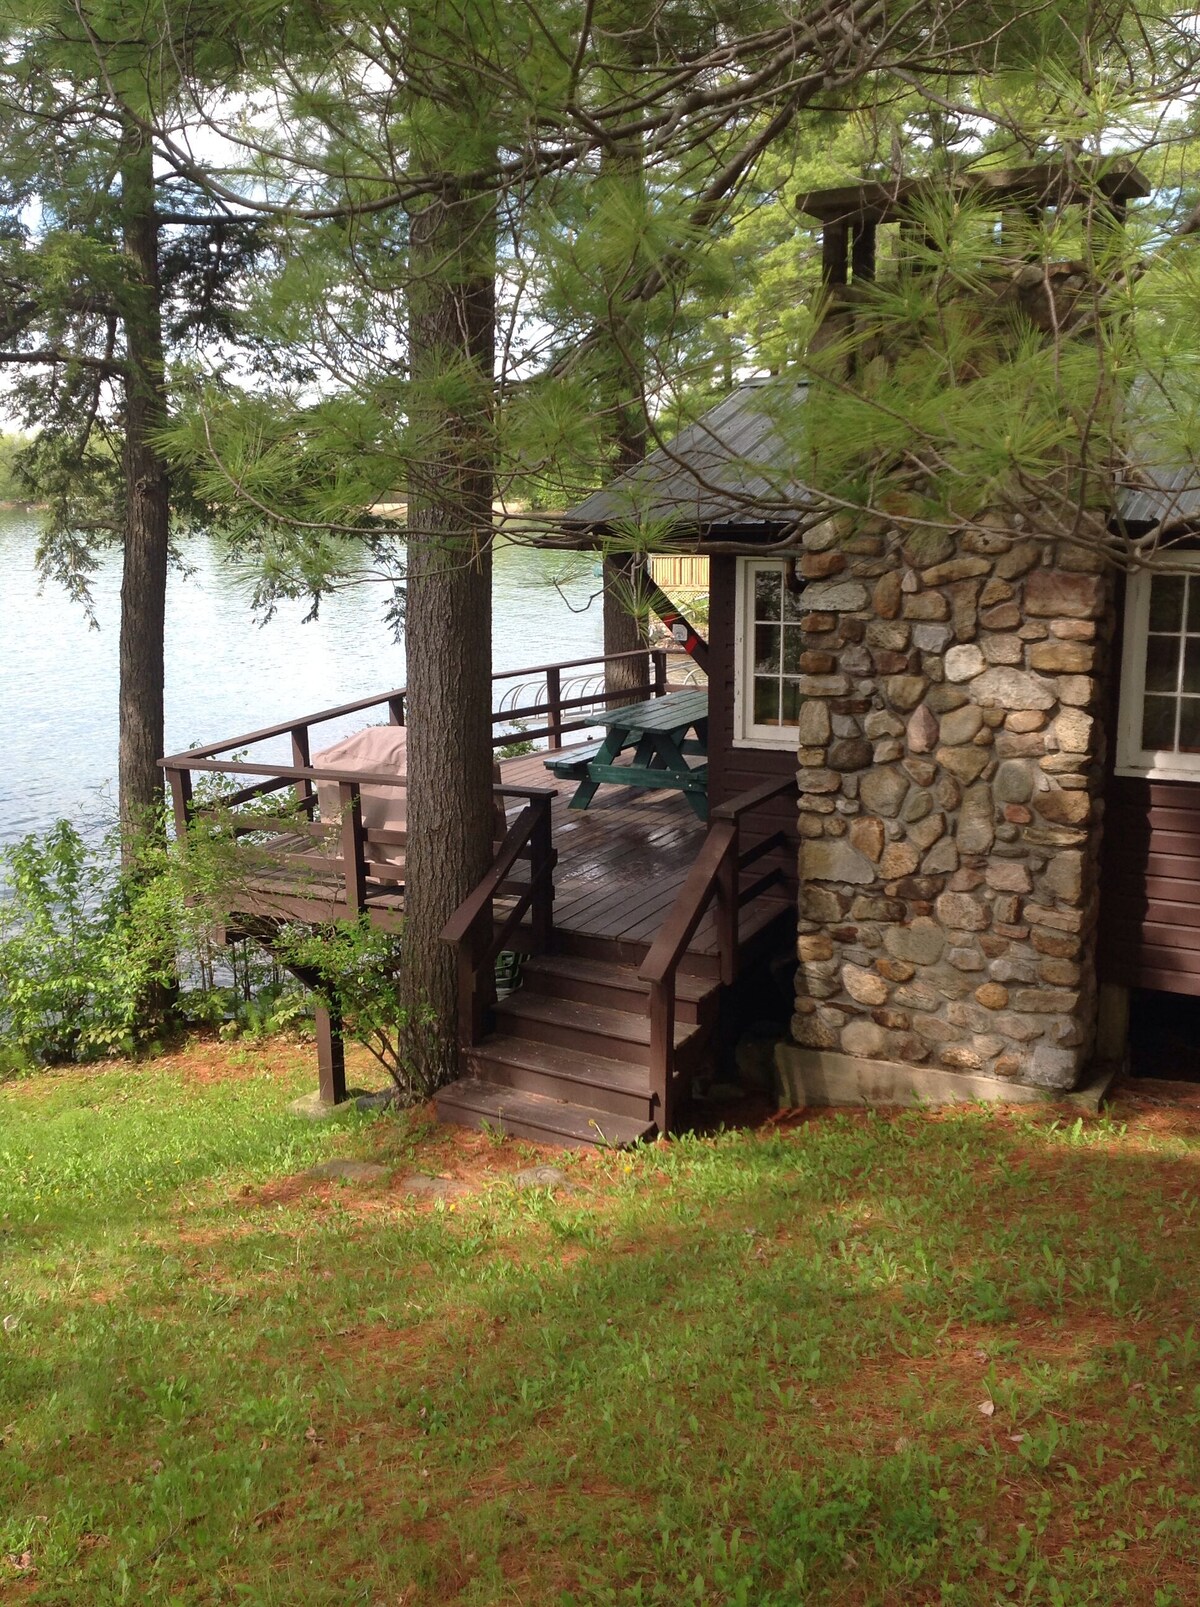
pixel 951 760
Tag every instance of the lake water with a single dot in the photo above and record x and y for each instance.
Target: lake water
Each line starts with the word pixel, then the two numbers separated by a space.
pixel 225 673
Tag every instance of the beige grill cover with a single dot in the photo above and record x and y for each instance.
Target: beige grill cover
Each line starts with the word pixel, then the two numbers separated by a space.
pixel 379 749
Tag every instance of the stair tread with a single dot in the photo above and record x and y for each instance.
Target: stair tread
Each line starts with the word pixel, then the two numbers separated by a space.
pixel 763 910
pixel 595 1018
pixel 578 1122
pixel 570 1064
pixel 695 989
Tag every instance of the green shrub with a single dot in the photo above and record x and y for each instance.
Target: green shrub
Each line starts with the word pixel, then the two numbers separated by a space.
pixel 87 957
pixel 354 969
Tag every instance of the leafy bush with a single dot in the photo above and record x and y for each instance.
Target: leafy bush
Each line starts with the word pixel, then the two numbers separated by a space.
pixel 353 968
pixel 87 957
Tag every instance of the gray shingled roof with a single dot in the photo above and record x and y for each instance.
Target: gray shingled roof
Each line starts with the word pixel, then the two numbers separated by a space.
pixel 728 468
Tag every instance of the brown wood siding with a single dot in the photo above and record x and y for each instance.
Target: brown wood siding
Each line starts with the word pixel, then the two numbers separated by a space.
pixel 731 770
pixel 1150 886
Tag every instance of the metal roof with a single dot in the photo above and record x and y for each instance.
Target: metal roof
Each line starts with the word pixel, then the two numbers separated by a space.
pixel 730 467
pixel 1162 494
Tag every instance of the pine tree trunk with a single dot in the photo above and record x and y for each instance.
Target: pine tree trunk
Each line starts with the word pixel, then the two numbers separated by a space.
pixel 147 508
pixel 626 620
pixel 448 620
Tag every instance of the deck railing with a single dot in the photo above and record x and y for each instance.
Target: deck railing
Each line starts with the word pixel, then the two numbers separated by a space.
pixel 717 873
pixel 542 701
pixel 473 930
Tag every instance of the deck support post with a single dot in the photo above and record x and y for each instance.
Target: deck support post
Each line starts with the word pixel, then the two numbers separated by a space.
pixel 331 1057
pixel 1112 1023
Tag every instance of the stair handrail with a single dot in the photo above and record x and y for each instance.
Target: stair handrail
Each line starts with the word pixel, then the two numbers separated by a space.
pixel 716 872
pixel 472 928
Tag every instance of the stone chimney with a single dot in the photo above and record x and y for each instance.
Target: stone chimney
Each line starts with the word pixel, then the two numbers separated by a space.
pixel 951 765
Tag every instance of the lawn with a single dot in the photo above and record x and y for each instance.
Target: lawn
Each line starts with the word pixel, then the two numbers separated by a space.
pixel 925 1358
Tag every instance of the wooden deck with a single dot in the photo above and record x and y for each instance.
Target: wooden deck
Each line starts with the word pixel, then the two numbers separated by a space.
pixel 621 861
pixel 621 864
pixel 638 920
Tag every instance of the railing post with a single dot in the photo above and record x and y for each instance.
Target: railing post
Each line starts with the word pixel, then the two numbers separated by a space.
pixel 658 657
pixel 554 706
pixel 396 709
pixel 541 875
pixel 181 801
pixel 662 1048
pixel 727 907
pixel 470 1004
pixel 354 865
pixel 302 759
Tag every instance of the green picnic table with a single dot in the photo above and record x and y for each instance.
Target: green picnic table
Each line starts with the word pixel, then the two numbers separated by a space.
pixel 657 731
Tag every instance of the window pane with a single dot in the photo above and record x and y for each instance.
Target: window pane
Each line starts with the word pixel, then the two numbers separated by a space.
pixel 768 584
pixel 1166 602
pixel 1158 723
pixel 766 701
pixel 791 602
pixel 793 646
pixel 1189 725
pixel 766 649
pixel 1193 603
pixel 791 703
pixel 1162 663
pixel 1191 662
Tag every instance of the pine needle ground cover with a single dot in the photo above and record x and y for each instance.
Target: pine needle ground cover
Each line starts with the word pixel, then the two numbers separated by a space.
pixel 926 1358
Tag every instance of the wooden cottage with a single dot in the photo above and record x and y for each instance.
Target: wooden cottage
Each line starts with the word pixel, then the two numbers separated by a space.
pixel 964 715
pixel 894 786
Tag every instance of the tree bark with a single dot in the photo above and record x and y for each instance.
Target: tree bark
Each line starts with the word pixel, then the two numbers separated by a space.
pixel 626 609
pixel 626 619
pixel 625 606
pixel 147 508
pixel 448 622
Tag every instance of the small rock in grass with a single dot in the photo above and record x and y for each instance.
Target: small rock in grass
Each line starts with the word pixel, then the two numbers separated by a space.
pixel 542 1177
pixel 377 1101
pixel 351 1171
pixel 433 1188
pixel 312 1108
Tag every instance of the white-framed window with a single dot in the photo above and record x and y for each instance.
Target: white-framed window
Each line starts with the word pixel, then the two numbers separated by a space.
pixel 767 647
pixel 1158 722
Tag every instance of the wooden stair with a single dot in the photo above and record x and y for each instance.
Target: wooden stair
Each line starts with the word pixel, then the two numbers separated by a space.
pixel 603 1041
pixel 568 1061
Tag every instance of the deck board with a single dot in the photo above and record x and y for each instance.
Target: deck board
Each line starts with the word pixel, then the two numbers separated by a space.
pixel 621 863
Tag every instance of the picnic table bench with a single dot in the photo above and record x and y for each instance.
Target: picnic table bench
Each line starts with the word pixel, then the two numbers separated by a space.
pixel 657 731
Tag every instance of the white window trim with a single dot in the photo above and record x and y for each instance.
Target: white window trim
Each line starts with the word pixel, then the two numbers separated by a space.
pixel 1132 758
pixel 745 733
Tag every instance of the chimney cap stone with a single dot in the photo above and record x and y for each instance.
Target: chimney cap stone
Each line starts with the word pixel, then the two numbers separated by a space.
pixel 1041 184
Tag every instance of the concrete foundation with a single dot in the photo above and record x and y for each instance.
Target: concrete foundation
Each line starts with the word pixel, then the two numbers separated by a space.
pixel 824 1077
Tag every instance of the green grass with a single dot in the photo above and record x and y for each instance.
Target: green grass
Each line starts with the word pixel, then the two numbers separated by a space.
pixel 927 1359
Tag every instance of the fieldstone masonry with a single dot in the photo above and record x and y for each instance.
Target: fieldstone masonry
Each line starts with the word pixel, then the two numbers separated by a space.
pixel 951 762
